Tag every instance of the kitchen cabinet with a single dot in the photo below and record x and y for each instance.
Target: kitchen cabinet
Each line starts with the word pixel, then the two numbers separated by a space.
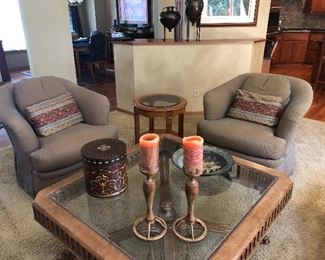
pixel 293 47
pixel 276 3
pixel 314 6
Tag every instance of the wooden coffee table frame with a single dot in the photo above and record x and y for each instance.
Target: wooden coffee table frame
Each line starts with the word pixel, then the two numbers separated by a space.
pixel 167 112
pixel 85 243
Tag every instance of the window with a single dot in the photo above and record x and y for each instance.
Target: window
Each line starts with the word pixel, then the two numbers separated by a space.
pixel 133 11
pixel 229 12
pixel 11 29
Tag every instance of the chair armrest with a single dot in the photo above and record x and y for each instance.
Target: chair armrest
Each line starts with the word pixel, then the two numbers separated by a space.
pixel 19 130
pixel 94 107
pixel 217 101
pixel 21 133
pixel 300 101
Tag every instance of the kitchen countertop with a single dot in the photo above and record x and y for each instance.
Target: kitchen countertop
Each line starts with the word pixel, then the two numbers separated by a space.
pixel 299 30
pixel 296 30
pixel 302 29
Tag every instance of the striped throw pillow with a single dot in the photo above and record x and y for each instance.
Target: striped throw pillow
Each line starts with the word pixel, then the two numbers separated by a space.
pixel 53 115
pixel 262 109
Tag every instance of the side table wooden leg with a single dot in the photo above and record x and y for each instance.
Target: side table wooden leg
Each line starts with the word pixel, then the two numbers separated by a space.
pixel 181 125
pixel 169 124
pixel 151 124
pixel 136 126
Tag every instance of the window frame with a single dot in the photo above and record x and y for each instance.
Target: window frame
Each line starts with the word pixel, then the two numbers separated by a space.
pixel 230 20
pixel 121 20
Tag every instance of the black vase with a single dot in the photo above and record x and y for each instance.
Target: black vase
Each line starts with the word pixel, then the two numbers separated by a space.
pixel 169 17
pixel 193 10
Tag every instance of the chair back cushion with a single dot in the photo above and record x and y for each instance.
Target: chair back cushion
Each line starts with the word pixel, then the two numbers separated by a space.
pixel 254 107
pixel 35 90
pixel 97 47
pixel 53 115
pixel 268 85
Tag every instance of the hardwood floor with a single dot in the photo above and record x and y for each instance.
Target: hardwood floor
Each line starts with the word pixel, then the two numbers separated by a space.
pixel 107 88
pixel 317 110
pixel 301 71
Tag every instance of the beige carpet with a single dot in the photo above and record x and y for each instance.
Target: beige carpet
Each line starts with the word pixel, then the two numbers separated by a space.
pixel 298 233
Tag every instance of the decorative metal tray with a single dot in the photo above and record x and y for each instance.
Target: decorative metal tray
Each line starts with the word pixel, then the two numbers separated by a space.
pixel 215 160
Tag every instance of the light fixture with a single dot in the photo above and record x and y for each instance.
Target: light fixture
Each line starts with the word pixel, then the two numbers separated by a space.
pixel 75 2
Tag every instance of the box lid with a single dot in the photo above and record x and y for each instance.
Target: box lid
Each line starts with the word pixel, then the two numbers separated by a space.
pixel 105 150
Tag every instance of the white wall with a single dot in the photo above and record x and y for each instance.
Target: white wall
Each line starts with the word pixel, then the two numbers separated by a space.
pixel 84 19
pixel 97 15
pixel 48 38
pixel 91 11
pixel 111 12
pixel 101 15
pixel 188 70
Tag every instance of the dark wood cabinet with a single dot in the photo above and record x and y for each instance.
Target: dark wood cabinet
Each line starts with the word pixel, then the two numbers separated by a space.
pixel 276 3
pixel 294 46
pixel 314 6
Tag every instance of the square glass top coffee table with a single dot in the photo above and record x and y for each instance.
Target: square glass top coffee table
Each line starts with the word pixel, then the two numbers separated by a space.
pixel 238 208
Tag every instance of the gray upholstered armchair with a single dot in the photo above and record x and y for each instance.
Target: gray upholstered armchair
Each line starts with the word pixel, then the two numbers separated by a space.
pixel 41 161
pixel 272 147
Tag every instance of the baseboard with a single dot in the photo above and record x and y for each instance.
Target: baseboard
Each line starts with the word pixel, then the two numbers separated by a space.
pixel 124 111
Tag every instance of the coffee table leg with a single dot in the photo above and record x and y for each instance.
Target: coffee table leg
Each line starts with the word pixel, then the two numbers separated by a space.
pixel 136 126
pixel 151 124
pixel 65 255
pixel 266 240
pixel 181 125
pixel 169 124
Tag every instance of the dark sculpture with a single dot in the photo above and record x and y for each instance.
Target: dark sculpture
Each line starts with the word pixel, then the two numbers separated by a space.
pixel 169 18
pixel 193 10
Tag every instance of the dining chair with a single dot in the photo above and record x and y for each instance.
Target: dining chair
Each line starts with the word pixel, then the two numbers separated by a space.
pixel 96 54
pixel 319 80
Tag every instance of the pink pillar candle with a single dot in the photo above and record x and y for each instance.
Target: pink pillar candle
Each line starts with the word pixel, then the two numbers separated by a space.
pixel 149 156
pixel 193 154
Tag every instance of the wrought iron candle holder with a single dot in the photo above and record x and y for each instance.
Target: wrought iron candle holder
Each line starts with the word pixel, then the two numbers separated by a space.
pixel 184 227
pixel 190 228
pixel 150 227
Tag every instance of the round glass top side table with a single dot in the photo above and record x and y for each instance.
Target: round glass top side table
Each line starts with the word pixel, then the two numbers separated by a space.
pixel 159 105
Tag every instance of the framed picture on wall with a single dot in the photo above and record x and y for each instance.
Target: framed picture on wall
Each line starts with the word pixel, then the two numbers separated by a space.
pixel 133 11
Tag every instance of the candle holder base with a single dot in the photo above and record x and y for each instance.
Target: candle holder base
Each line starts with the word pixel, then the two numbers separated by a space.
pixel 190 231
pixel 149 230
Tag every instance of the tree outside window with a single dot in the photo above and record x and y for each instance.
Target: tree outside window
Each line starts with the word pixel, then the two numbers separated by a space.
pixel 228 7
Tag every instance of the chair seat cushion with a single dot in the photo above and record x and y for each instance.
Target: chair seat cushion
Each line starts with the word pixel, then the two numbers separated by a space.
pixel 53 115
pixel 242 136
pixel 62 149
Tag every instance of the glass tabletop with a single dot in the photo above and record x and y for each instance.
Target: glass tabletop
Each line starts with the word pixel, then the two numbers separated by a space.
pixel 223 202
pixel 160 100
